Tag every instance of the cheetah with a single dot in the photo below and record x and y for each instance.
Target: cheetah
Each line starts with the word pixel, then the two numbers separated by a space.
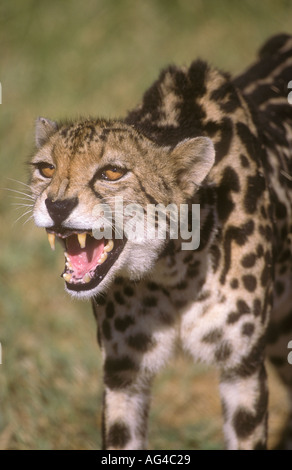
pixel 199 138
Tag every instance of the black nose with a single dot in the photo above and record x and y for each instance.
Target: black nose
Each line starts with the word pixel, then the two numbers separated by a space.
pixel 60 209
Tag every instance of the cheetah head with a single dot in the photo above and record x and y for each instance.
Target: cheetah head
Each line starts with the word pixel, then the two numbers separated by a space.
pixel 82 172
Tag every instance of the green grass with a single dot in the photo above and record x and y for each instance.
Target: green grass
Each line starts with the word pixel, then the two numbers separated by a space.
pixel 66 59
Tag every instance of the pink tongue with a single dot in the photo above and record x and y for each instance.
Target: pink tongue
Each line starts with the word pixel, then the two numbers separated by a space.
pixel 83 259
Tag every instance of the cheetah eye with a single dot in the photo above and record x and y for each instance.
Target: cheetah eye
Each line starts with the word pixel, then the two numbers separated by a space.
pixel 45 169
pixel 112 173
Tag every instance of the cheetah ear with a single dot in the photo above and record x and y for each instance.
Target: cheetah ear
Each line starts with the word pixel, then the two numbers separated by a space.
pixel 43 130
pixel 193 159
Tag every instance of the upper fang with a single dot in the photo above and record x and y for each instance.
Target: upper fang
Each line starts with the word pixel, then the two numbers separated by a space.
pixel 51 238
pixel 82 239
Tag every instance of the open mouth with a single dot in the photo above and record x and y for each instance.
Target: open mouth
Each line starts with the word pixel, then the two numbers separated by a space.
pixel 87 259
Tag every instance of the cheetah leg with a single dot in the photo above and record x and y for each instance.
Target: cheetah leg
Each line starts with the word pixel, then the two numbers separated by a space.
pixel 125 416
pixel 244 399
pixel 279 351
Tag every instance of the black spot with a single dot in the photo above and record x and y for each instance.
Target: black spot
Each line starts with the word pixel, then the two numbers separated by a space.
pixel 213 336
pixel 244 161
pixel 140 341
pixel 223 145
pixel 227 97
pixel 249 282
pixel 149 301
pixel 100 299
pixel 119 298
pixel 255 188
pixel 188 258
pixel 244 420
pixel 257 307
pixel 279 288
pixel 152 286
pixel 281 211
pixel 216 255
pixel 110 309
pixel 234 284
pixel 260 250
pixel 247 329
pixel 242 307
pixel 248 261
pixel 229 182
pixel 182 285
pixel 249 140
pixel 118 435
pixel 119 372
pixel 223 352
pixel 240 236
pixel 122 323
pixel 265 276
pixel 106 329
pixel 129 291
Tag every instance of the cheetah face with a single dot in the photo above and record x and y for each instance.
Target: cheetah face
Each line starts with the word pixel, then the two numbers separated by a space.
pixel 81 170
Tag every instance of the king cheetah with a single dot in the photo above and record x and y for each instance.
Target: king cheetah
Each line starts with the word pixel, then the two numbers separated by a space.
pixel 202 138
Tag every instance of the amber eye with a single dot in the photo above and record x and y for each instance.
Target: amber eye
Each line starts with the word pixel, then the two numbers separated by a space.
pixel 46 169
pixel 113 173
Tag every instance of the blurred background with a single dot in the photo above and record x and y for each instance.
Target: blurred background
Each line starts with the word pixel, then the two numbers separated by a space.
pixel 96 57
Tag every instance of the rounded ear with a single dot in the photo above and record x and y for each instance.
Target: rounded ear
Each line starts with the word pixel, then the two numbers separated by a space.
pixel 44 128
pixel 193 159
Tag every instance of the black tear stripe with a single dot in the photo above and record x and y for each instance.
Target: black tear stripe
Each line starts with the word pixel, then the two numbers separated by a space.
pixel 150 198
pixel 240 236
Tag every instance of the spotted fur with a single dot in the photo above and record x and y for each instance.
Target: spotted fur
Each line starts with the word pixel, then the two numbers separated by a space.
pixel 229 302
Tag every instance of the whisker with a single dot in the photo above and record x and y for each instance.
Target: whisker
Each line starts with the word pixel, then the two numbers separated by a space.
pixel 19 182
pixel 19 192
pixel 22 215
pixel 21 198
pixel 29 218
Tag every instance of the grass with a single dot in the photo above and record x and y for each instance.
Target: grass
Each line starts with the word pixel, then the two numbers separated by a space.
pixel 95 58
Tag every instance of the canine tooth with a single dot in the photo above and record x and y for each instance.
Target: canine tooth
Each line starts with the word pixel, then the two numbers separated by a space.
pixel 109 246
pixel 86 278
pixel 82 239
pixel 51 238
pixel 67 277
pixel 102 258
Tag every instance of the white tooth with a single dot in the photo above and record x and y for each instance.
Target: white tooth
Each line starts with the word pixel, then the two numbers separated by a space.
pixel 86 278
pixel 109 246
pixel 67 277
pixel 51 238
pixel 82 239
pixel 102 258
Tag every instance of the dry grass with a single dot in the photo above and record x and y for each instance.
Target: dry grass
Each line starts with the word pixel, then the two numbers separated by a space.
pixel 95 59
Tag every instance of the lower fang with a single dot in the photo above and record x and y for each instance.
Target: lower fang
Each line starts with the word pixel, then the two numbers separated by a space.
pixel 109 246
pixel 86 278
pixel 67 277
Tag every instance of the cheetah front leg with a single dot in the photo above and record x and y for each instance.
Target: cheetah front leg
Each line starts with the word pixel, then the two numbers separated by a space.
pixel 125 417
pixel 137 338
pixel 244 397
